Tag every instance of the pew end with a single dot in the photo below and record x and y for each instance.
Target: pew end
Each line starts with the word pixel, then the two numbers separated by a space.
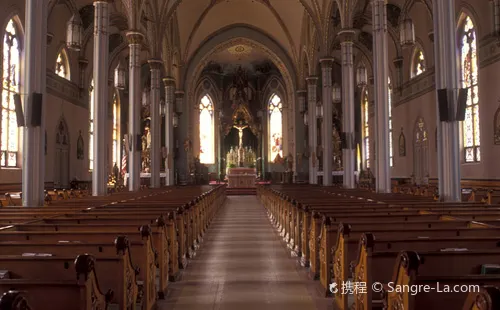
pixel 488 298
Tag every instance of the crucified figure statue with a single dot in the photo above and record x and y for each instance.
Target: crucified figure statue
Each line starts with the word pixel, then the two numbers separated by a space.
pixel 241 151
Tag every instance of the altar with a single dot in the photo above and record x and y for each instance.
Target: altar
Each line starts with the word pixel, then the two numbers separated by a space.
pixel 241 177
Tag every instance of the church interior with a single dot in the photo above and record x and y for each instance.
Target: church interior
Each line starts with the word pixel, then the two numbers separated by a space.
pixel 249 154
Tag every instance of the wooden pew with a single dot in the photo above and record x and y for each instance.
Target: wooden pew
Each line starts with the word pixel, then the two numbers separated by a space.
pixel 488 298
pixel 76 293
pixel 410 269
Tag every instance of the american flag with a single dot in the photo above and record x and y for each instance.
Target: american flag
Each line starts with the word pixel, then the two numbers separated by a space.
pixel 124 164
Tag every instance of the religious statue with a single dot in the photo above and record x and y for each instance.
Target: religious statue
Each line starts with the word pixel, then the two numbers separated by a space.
pixel 79 146
pixel 289 161
pixel 240 92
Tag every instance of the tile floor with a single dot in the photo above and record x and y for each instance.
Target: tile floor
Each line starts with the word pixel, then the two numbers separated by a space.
pixel 243 265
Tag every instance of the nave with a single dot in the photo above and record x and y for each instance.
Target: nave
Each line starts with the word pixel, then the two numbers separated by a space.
pixel 243 264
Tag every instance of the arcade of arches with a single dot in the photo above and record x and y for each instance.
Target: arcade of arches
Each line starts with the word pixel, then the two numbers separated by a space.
pixel 134 93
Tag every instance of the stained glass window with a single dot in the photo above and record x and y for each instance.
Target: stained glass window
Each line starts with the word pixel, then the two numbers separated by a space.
pixel 207 138
pixel 471 132
pixel 10 86
pixel 366 130
pixel 389 102
pixel 418 62
pixel 116 133
pixel 91 126
pixel 62 65
pixel 275 127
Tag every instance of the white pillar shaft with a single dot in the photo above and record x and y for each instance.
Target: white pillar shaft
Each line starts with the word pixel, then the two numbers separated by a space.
pixel 100 67
pixel 313 130
pixel 35 47
pixel 155 124
pixel 447 78
pixel 134 158
pixel 169 130
pixel 348 153
pixel 383 177
pixel 326 70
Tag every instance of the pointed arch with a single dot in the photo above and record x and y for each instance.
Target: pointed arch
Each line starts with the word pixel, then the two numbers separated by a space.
pixel 11 78
pixel 116 130
pixel 467 41
pixel 62 68
pixel 207 130
pixel 418 63
pixel 366 128
pixel 275 110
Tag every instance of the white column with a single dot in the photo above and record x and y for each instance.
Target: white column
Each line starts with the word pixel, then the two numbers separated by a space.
pixel 100 67
pixel 348 154
pixel 155 122
pixel 169 129
pixel 313 129
pixel 326 70
pixel 383 176
pixel 35 47
pixel 134 122
pixel 445 49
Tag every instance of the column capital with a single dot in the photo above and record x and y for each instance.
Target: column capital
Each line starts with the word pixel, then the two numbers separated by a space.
pixel 169 81
pixel 155 64
pixel 135 37
pixel 179 93
pixel 102 1
pixel 326 62
pixel 83 62
pixel 398 62
pixel 301 93
pixel 348 35
pixel 312 79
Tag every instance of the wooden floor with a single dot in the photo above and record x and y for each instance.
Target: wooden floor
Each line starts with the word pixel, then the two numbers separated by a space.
pixel 243 265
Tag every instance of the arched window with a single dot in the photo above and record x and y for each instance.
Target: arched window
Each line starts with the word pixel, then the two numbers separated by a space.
pixel 207 139
pixel 418 63
pixel 471 132
pixel 116 132
pixel 389 102
pixel 91 126
pixel 275 127
pixel 10 86
pixel 62 65
pixel 366 130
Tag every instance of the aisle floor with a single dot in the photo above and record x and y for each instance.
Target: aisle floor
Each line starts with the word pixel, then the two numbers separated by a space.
pixel 243 265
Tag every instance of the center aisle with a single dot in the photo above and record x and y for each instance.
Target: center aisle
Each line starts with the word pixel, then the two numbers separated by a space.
pixel 243 265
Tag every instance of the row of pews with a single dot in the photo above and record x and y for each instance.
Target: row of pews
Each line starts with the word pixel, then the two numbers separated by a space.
pixel 355 237
pixel 114 252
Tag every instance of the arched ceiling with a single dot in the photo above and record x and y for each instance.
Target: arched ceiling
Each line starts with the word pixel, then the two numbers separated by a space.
pixel 281 20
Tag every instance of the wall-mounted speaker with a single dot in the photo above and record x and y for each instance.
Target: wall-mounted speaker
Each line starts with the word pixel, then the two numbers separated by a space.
pixel 36 109
pixel 19 110
pixel 462 103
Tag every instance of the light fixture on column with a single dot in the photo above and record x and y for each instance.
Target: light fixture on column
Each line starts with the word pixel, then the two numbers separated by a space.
pixel 162 107
pixel 145 96
pixel 336 96
pixel 175 120
pixel 361 75
pixel 319 110
pixel 120 76
pixel 407 32
pixel 179 101
pixel 306 118
pixel 74 33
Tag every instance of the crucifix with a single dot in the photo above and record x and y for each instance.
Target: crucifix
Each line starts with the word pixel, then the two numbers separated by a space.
pixel 241 151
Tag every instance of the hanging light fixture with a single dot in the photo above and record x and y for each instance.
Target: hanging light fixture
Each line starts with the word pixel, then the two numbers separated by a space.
pixel 336 96
pixel 175 120
pixel 74 33
pixel 407 32
pixel 306 118
pixel 120 76
pixel 361 75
